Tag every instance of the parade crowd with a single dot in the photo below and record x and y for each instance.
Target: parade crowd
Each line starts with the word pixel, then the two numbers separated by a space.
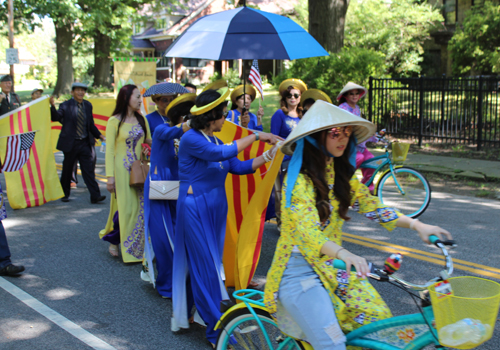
pixel 172 218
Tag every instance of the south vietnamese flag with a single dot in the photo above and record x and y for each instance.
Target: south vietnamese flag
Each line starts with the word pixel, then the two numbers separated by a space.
pixel 247 197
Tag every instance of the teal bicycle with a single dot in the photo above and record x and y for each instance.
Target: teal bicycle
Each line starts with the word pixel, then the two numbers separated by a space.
pixel 248 325
pixel 399 187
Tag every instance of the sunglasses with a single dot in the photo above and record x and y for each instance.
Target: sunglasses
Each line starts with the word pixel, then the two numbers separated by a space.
pixel 353 94
pixel 293 95
pixel 335 132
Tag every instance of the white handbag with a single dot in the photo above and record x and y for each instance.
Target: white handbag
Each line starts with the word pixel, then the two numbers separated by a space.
pixel 164 190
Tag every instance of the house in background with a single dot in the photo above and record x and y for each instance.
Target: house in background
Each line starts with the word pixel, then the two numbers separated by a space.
pixel 153 37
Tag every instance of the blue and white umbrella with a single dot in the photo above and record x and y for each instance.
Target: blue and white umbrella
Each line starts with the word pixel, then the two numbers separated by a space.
pixel 245 33
pixel 166 89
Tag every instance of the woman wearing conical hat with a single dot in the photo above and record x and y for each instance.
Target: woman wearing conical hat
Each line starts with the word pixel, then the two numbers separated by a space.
pixel 241 101
pixel 349 96
pixel 160 215
pixel 283 121
pixel 307 296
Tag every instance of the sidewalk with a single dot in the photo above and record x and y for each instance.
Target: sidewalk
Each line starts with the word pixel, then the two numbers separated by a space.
pixel 460 167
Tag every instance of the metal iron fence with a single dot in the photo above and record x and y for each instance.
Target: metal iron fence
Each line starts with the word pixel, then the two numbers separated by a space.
pixel 450 110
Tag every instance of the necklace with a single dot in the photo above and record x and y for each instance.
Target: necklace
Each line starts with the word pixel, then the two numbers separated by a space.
pixel 216 142
pixel 163 118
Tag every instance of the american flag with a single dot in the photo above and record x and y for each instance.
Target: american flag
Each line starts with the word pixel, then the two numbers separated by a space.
pixel 18 151
pixel 255 77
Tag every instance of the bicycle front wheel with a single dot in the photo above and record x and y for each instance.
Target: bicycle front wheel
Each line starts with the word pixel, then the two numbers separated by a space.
pixel 241 331
pixel 406 190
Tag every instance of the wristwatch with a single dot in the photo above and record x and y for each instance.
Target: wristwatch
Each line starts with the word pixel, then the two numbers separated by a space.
pixel 256 135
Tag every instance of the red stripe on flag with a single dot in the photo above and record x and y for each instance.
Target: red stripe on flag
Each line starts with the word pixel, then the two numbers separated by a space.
pixel 263 167
pixel 100 127
pixel 21 172
pixel 101 117
pixel 56 127
pixel 26 158
pixel 236 189
pixel 36 159
pixel 258 246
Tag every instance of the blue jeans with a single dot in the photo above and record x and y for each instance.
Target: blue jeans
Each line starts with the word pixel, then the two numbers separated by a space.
pixel 305 304
pixel 4 248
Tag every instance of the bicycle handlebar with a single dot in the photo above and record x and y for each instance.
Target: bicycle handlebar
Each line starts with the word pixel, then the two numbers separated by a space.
pixel 379 274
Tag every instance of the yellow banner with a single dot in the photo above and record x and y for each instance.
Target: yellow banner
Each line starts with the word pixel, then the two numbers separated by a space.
pixel 37 182
pixel 141 74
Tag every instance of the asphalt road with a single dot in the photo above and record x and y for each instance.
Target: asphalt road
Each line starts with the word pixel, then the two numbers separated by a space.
pixel 71 278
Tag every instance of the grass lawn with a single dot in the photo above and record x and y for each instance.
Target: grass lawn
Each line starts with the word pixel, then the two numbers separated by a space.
pixel 271 103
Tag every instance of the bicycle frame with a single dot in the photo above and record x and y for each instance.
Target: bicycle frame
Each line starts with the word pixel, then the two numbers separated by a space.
pixel 379 168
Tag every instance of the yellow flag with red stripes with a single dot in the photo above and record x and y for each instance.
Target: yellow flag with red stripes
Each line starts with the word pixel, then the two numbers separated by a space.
pixel 37 182
pixel 102 108
pixel 247 197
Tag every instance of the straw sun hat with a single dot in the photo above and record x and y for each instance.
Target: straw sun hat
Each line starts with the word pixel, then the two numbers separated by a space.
pixel 224 93
pixel 296 83
pixel 190 97
pixel 352 86
pixel 315 94
pixel 238 91
pixel 323 116
pixel 216 85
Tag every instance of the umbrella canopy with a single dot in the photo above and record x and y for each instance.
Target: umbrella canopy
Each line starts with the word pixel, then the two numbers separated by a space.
pixel 245 33
pixel 166 89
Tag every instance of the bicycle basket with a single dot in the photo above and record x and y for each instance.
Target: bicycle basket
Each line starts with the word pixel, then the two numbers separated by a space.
pixel 400 151
pixel 472 303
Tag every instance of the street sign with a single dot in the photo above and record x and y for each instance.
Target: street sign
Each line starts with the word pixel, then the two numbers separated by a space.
pixel 12 56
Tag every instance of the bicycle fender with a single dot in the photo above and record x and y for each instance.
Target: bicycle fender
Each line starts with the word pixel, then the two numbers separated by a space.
pixel 234 308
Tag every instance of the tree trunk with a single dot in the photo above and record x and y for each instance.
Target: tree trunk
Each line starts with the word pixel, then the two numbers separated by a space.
pixel 64 41
pixel 102 62
pixel 327 22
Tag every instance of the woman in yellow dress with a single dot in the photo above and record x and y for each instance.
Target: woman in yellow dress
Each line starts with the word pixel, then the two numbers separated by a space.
pixel 126 131
pixel 310 299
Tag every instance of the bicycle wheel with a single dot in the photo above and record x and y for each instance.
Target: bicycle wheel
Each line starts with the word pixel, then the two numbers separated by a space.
pixel 416 189
pixel 242 332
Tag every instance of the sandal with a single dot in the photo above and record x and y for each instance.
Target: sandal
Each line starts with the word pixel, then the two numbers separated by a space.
pixel 113 250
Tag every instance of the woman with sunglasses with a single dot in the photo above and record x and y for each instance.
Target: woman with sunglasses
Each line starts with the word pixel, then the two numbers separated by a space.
pixel 283 121
pixel 204 163
pixel 349 96
pixel 309 298
pixel 240 103
pixel 162 101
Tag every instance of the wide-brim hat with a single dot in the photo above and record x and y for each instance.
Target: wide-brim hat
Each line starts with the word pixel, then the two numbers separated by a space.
pixel 352 86
pixel 190 97
pixel 315 94
pixel 224 93
pixel 165 89
pixel 323 116
pixel 216 85
pixel 296 83
pixel 35 90
pixel 238 91
pixel 79 85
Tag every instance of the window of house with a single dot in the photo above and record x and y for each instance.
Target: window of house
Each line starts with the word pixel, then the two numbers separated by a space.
pixel 450 11
pixel 161 23
pixel 191 62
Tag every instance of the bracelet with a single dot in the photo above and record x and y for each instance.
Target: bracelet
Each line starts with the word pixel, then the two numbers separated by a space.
pixel 412 224
pixel 256 135
pixel 338 251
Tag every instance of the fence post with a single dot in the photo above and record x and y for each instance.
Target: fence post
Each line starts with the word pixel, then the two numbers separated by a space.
pixel 370 95
pixel 421 113
pixel 480 114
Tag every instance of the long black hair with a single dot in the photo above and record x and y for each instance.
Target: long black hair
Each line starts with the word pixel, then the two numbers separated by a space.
pixel 202 121
pixel 314 166
pixel 121 109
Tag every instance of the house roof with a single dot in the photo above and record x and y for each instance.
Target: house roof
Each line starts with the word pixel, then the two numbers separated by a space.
pixel 141 43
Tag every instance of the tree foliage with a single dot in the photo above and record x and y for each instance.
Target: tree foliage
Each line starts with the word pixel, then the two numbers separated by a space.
pixel 475 47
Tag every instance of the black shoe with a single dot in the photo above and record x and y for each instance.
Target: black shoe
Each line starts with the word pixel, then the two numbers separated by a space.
pixel 98 199
pixel 11 270
pixel 64 199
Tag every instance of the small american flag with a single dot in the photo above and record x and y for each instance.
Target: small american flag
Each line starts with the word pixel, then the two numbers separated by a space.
pixel 18 151
pixel 255 77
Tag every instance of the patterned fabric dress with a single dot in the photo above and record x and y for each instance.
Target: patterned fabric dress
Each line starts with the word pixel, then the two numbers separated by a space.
pixel 121 152
pixel 355 301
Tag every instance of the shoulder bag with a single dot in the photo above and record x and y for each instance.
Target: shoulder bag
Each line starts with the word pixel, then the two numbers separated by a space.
pixel 163 190
pixel 138 172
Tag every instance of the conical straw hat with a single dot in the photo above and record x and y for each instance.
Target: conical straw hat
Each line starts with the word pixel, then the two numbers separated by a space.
pixel 323 116
pixel 352 86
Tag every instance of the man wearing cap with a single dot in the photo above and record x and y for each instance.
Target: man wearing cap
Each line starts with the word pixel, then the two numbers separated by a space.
pixel 8 100
pixel 76 140
pixel 36 94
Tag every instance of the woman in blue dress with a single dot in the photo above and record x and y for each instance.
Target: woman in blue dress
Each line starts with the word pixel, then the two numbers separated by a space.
pixel 160 215
pixel 283 121
pixel 204 162
pixel 242 100
pixel 162 101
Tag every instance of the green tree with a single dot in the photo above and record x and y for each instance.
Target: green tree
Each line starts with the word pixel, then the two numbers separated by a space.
pixel 475 47
pixel 326 22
